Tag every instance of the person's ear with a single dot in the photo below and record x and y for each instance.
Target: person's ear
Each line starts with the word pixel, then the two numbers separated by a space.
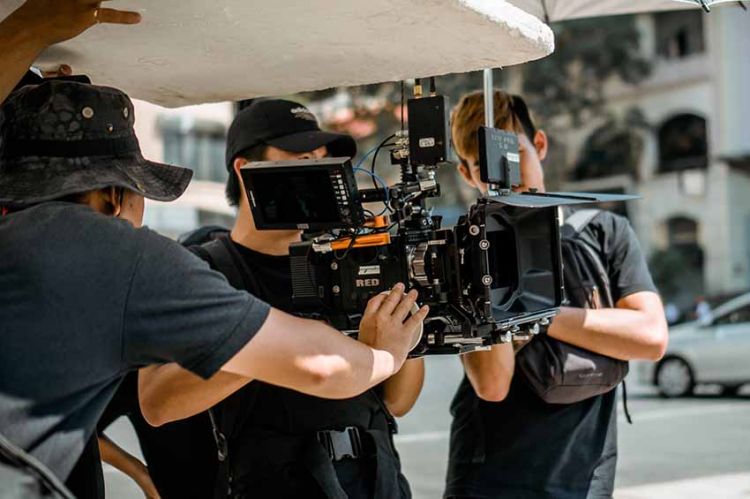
pixel 541 144
pixel 107 200
pixel 116 195
pixel 463 170
pixel 239 163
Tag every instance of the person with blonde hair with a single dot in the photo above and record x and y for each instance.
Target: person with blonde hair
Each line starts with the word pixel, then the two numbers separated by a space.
pixel 506 441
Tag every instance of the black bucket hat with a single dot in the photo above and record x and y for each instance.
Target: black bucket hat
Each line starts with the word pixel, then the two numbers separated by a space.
pixel 284 124
pixel 62 137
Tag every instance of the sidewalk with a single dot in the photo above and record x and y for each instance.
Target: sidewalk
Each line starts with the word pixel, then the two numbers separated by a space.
pixel 733 486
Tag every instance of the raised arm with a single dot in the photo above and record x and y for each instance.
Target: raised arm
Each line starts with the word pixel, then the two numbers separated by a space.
pixel 37 24
pixel 313 358
pixel 636 329
pixel 304 355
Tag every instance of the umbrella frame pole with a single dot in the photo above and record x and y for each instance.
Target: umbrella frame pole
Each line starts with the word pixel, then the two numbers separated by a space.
pixel 489 94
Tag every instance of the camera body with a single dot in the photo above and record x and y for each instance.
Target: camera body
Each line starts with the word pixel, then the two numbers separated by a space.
pixel 496 272
pixel 495 276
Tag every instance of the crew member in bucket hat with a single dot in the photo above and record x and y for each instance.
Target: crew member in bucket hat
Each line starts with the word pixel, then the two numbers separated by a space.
pixel 88 297
pixel 62 137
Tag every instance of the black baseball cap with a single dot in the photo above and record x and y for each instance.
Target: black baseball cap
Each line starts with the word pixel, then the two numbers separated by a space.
pixel 284 124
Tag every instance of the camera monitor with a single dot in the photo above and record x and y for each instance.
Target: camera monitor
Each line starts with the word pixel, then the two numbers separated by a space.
pixel 317 194
pixel 499 160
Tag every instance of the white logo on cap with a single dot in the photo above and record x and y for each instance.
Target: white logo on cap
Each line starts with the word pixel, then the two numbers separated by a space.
pixel 303 113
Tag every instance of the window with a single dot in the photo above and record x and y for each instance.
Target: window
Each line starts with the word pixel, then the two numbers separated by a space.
pixel 682 231
pixel 737 316
pixel 683 144
pixel 679 34
pixel 198 145
pixel 609 150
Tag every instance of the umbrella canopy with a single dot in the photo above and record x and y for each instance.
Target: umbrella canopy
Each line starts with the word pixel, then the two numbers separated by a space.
pixel 560 10
pixel 193 51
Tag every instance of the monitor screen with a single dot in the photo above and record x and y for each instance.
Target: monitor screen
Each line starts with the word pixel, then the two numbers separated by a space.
pixel 295 198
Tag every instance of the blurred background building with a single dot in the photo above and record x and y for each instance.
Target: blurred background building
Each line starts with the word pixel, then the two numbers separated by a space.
pixel 650 104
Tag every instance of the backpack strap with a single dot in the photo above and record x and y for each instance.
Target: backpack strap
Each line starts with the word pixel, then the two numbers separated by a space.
pixel 578 221
pixel 602 271
pixel 21 468
pixel 223 257
pixel 218 256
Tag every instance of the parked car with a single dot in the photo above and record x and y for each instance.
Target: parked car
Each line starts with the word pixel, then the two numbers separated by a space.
pixel 714 350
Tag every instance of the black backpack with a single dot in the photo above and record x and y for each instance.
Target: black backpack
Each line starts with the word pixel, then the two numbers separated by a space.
pixel 23 477
pixel 558 372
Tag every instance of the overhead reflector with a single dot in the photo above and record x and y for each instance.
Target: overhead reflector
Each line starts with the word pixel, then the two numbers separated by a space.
pixel 194 51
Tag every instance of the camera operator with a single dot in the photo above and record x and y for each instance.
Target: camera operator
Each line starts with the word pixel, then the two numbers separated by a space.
pixel 88 295
pixel 37 24
pixel 505 440
pixel 282 443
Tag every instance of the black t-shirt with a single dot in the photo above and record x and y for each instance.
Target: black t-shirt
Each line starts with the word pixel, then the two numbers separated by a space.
pixel 523 447
pixel 283 409
pixel 269 412
pixel 182 456
pixel 87 298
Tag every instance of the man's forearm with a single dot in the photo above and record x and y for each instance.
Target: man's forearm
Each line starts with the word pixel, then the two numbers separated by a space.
pixel 490 372
pixel 168 392
pixel 616 332
pixel 313 358
pixel 21 46
pixel 400 391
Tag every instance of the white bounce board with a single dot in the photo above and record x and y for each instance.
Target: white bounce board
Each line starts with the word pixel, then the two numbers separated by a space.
pixel 195 51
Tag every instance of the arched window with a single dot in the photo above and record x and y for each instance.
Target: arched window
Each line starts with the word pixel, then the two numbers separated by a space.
pixel 682 231
pixel 609 150
pixel 683 144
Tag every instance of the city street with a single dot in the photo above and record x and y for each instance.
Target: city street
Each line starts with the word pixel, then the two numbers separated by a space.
pixel 697 447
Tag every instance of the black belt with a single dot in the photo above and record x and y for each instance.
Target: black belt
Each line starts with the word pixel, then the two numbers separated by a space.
pixel 343 444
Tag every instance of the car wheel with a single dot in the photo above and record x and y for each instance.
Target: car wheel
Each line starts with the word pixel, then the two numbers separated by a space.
pixel 674 378
pixel 730 390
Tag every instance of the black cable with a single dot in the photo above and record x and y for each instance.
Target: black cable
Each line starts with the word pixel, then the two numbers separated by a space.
pixel 349 248
pixel 383 144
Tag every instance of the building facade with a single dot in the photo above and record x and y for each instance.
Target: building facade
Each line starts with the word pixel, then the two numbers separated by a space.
pixel 678 139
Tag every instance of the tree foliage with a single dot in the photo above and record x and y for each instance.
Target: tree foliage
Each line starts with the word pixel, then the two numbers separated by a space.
pixel 588 53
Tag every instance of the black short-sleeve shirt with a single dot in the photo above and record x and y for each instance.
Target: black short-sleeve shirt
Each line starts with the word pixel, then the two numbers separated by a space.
pixel 523 447
pixel 87 298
